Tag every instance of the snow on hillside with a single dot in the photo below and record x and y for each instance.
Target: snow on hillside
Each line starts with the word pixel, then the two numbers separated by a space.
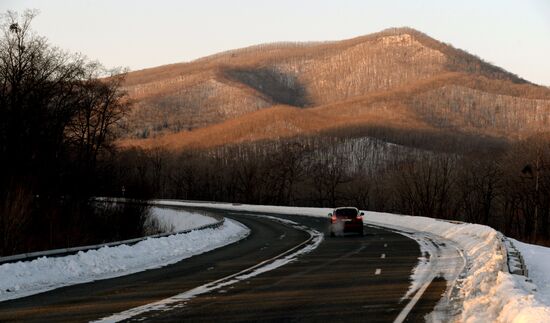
pixel 489 292
pixel 32 277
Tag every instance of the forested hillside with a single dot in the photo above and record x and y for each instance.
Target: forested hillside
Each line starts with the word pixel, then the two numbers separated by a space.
pixel 394 121
pixel 389 77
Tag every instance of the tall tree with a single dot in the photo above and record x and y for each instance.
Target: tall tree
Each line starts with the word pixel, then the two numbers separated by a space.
pixel 56 117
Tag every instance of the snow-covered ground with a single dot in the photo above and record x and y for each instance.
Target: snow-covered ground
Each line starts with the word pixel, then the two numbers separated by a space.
pixel 488 291
pixel 31 277
pixel 537 259
pixel 309 211
pixel 172 220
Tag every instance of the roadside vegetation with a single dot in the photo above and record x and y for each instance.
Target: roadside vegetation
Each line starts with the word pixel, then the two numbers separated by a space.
pixel 464 143
pixel 59 114
pixel 502 184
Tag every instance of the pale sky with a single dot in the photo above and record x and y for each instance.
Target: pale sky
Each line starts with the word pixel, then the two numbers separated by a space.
pixel 513 34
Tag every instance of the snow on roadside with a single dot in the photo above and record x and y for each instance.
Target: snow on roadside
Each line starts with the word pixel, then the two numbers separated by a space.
pixel 315 240
pixel 489 292
pixel 537 259
pixel 172 220
pixel 309 211
pixel 31 277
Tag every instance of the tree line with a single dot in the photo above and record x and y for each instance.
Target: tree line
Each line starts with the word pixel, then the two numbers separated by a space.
pixel 58 116
pixel 506 186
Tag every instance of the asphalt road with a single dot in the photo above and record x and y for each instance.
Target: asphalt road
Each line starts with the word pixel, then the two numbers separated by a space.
pixel 346 279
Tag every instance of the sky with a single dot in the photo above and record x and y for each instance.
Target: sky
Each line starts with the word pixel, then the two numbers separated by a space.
pixel 513 34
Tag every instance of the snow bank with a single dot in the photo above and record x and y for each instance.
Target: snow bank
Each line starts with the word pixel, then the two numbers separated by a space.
pixel 309 211
pixel 166 304
pixel 172 220
pixel 537 259
pixel 489 292
pixel 31 277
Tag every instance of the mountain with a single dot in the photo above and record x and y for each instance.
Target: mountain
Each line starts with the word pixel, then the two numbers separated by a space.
pixel 399 80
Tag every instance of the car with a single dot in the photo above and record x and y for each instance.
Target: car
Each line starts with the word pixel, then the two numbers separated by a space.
pixel 346 219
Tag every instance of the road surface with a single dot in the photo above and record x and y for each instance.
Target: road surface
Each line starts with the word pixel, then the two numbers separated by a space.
pixel 349 278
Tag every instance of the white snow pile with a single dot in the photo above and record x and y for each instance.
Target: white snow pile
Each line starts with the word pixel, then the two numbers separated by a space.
pixel 537 259
pixel 489 292
pixel 309 211
pixel 265 266
pixel 31 277
pixel 172 220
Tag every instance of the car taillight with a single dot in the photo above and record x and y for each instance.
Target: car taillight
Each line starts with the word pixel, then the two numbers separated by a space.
pixel 333 218
pixel 360 217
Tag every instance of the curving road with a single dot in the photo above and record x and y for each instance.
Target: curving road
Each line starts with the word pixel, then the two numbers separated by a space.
pixel 348 278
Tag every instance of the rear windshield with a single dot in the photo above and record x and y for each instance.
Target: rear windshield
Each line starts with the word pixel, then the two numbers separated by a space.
pixel 346 212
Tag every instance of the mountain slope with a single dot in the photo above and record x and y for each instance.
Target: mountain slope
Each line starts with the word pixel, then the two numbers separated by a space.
pixel 397 78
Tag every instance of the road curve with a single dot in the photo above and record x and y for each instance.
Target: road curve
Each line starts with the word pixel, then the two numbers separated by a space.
pixel 348 278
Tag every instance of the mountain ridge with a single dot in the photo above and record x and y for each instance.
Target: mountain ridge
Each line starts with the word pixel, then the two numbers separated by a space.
pixel 413 70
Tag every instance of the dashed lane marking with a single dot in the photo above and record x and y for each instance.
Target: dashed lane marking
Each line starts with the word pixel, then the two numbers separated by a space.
pixel 378 271
pixel 314 240
pixel 383 256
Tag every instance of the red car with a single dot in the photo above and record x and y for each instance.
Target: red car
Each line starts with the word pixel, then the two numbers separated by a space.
pixel 346 219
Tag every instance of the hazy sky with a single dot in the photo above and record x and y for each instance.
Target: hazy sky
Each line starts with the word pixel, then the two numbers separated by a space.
pixel 513 34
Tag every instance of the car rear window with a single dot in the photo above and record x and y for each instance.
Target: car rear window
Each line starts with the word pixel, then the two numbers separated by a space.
pixel 346 212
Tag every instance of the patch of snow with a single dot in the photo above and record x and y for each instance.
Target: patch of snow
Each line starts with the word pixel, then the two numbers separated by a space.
pixel 537 259
pixel 32 277
pixel 309 211
pixel 403 39
pixel 172 220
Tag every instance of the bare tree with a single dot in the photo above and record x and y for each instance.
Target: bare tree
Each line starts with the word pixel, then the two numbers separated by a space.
pixel 56 118
pixel 479 184
pixel 424 188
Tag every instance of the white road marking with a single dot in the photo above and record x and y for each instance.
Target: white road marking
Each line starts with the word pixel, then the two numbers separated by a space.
pixel 378 271
pixel 385 245
pixel 383 256
pixel 282 259
pixel 434 267
pixel 403 315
